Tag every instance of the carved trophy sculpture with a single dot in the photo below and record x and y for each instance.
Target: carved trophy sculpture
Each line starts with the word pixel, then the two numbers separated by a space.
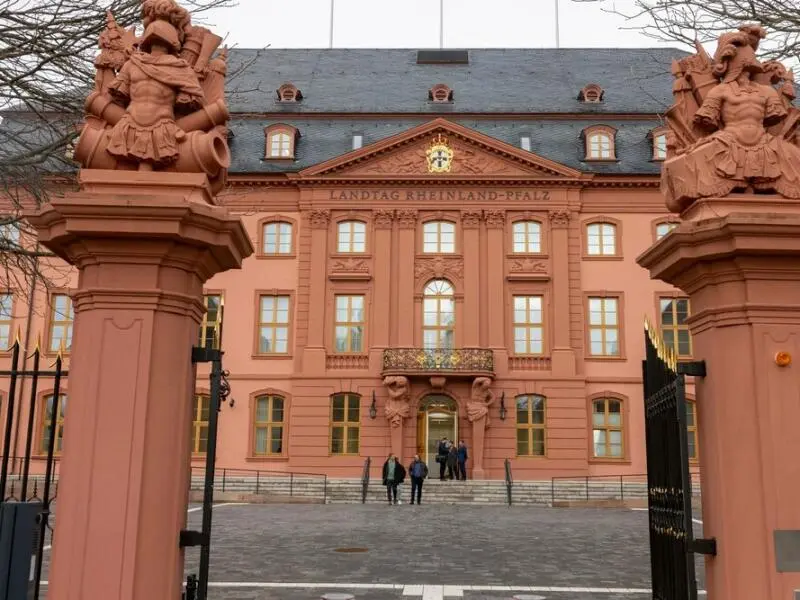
pixel 397 408
pixel 480 401
pixel 158 102
pixel 733 127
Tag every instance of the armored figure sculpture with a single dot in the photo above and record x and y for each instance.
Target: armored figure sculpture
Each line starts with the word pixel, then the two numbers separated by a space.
pixel 158 102
pixel 731 130
pixel 480 401
pixel 397 408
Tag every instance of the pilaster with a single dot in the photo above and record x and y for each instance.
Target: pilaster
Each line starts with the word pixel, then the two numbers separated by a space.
pixel 407 229
pixel 562 355
pixel 383 220
pixel 470 224
pixel 495 230
pixel 314 353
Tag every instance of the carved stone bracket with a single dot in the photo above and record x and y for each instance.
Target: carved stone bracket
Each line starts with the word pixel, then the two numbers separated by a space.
pixel 383 218
pixel 319 218
pixel 350 268
pixel 398 406
pixel 495 219
pixel 427 268
pixel 559 218
pixel 471 219
pixel 407 218
pixel 528 269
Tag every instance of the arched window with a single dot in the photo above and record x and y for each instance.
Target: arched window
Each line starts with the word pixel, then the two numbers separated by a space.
pixel 268 421
pixel 352 237
pixel 531 425
pixel 61 414
pixel 691 429
pixel 345 424
pixel 607 428
pixel 438 315
pixel 280 141
pixel 601 239
pixel 663 229
pixel 527 237
pixel 277 238
pixel 439 237
pixel 660 146
pixel 599 141
pixel 200 410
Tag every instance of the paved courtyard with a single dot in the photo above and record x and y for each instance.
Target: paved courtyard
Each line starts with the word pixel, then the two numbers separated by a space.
pixel 434 552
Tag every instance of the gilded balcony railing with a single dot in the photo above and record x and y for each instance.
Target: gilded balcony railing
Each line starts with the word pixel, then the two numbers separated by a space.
pixel 421 360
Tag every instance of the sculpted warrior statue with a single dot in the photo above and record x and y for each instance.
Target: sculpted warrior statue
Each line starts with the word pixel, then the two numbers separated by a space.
pixel 480 401
pixel 158 102
pixel 397 408
pixel 731 130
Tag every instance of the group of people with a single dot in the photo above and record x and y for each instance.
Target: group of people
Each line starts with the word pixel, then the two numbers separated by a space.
pixel 452 460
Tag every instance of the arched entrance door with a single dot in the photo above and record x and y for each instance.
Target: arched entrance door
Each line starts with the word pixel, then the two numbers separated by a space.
pixel 437 418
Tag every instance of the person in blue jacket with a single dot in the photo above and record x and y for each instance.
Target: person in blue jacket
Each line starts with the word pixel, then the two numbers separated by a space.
pixel 461 473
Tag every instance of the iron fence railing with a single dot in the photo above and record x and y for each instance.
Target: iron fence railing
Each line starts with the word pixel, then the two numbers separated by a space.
pixel 509 481
pixel 365 480
pixel 262 482
pixel 606 487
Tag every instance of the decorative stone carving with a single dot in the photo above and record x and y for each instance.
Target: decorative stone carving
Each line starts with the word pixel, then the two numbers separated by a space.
pixel 319 218
pixel 397 407
pixel 439 267
pixel 407 218
pixel 481 399
pixel 471 219
pixel 437 383
pixel 383 218
pixel 730 128
pixel 559 218
pixel 158 102
pixel 495 219
pixel 528 265
pixel 350 265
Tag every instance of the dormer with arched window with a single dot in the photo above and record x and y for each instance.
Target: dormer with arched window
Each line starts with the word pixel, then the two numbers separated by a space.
pixel 288 92
pixel 659 139
pixel 440 93
pixel 280 142
pixel 591 93
pixel 600 142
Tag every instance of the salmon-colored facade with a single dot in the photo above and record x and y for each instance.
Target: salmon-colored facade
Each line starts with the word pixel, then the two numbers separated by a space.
pixel 440 255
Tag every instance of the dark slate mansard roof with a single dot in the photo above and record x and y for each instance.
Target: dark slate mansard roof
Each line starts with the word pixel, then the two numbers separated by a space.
pixel 636 82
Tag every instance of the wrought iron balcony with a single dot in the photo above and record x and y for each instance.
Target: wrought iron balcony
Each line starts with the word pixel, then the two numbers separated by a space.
pixel 421 361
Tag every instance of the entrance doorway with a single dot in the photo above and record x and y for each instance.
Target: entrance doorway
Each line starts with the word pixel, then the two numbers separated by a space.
pixel 437 418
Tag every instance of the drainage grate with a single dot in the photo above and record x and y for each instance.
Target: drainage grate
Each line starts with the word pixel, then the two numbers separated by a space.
pixel 350 550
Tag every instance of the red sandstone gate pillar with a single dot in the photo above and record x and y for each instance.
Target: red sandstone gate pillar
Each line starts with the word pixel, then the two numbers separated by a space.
pixel 144 244
pixel 738 259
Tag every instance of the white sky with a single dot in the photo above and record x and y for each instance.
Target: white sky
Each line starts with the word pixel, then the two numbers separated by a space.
pixel 415 24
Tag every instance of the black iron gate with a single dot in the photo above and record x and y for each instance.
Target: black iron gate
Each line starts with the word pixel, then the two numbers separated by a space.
pixel 197 585
pixel 18 485
pixel 669 486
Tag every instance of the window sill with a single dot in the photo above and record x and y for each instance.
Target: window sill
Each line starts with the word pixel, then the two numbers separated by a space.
pixel 512 255
pixel 256 356
pixel 609 461
pixel 456 254
pixel 361 255
pixel 589 159
pixel 279 158
pixel 530 457
pixel 605 358
pixel 602 257
pixel 277 256
pixel 265 459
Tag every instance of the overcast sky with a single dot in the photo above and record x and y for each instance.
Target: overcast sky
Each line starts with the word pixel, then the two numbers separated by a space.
pixel 415 24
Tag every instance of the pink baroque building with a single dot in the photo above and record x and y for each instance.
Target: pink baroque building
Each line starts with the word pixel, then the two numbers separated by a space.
pixel 446 246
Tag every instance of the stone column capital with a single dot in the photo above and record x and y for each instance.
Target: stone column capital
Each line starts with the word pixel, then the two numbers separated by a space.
pixel 495 219
pixel 559 218
pixel 471 219
pixel 383 218
pixel 407 218
pixel 319 218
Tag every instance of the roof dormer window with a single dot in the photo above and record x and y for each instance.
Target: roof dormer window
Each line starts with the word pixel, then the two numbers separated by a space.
pixel 288 92
pixel 591 93
pixel 280 141
pixel 659 139
pixel 599 141
pixel 440 93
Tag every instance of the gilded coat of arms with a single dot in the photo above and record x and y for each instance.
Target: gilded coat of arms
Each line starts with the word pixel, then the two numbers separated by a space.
pixel 440 155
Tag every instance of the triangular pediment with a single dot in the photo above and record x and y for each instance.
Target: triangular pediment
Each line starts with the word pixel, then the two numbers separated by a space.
pixel 474 156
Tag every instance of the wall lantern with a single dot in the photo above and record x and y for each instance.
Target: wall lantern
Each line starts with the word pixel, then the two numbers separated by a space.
pixel 503 407
pixel 373 410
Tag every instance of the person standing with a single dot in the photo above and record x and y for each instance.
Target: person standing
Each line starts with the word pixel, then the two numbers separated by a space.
pixel 393 475
pixel 418 471
pixel 441 457
pixel 452 461
pixel 462 460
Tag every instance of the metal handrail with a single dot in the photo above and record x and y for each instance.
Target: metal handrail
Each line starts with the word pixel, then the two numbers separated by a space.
pixel 365 480
pixel 640 478
pixel 509 481
pixel 259 475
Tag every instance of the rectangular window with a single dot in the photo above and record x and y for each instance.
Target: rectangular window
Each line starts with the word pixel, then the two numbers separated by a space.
pixel 528 325
pixel 673 313
pixel 273 327
pixel 61 317
pixel 268 423
pixel 525 143
pixel 358 141
pixel 9 235
pixel 6 320
pixel 439 237
pixel 604 327
pixel 660 147
pixel 527 237
pixel 278 238
pixel 60 415
pixel 663 229
pixel 531 425
pixel 601 239
pixel 211 327
pixel 607 428
pixel 349 324
pixel 200 410
pixel 352 237
pixel 345 420
pixel 691 428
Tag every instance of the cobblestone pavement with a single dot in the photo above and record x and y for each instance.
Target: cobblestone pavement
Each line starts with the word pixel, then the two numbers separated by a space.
pixel 435 545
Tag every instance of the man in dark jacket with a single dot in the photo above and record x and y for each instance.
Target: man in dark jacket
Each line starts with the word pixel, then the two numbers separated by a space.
pixel 452 461
pixel 393 475
pixel 462 461
pixel 418 471
pixel 441 456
